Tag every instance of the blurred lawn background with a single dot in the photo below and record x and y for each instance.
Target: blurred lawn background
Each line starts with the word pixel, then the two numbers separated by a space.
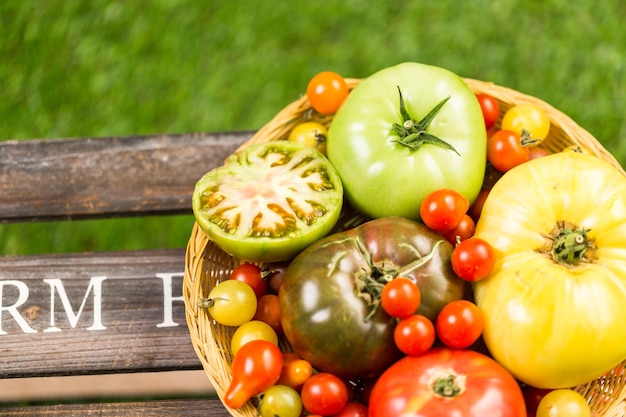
pixel 110 68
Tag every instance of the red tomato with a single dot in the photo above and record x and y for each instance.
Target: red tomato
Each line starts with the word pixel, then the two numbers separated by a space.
pixel 251 275
pixel 268 311
pixel 400 297
pixel 447 382
pixel 414 335
pixel 505 150
pixel 443 209
pixel 324 393
pixel 256 367
pixel 490 108
pixel 459 324
pixel 463 231
pixel 473 259
pixel 352 409
pixel 326 91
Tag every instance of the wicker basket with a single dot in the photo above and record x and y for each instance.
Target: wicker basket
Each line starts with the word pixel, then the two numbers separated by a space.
pixel 206 264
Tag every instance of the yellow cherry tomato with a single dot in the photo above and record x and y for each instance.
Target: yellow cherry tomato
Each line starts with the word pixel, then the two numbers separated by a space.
pixel 231 303
pixel 252 330
pixel 527 117
pixel 563 403
pixel 312 134
pixel 577 148
pixel 554 302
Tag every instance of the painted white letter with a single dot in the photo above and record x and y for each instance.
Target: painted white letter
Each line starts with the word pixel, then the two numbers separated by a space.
pixel 95 283
pixel 168 299
pixel 12 309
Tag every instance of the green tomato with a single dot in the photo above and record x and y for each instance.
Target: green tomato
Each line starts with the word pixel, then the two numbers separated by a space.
pixel 404 132
pixel 269 201
pixel 280 401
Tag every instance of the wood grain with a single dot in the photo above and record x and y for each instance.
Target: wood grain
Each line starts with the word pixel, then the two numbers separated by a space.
pixel 163 408
pixel 104 177
pixel 132 310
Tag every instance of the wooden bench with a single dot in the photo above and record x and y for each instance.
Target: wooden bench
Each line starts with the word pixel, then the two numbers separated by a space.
pixel 107 313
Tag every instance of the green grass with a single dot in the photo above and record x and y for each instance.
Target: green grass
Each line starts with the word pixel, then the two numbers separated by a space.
pixel 107 68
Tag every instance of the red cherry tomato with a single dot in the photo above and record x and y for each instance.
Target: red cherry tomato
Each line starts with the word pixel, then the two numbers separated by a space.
pixel 400 297
pixel 459 324
pixel 251 275
pixel 506 151
pixel 256 367
pixel 324 394
pixel 326 91
pixel 274 273
pixel 490 108
pixel 535 152
pixel 463 231
pixel 352 409
pixel 414 335
pixel 443 209
pixel 268 311
pixel 473 259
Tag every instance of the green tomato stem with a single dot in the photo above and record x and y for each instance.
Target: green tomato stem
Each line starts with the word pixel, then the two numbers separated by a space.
pixel 415 134
pixel 447 384
pixel 369 282
pixel 209 302
pixel 526 140
pixel 569 245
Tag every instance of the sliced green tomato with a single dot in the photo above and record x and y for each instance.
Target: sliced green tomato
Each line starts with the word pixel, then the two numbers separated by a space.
pixel 269 201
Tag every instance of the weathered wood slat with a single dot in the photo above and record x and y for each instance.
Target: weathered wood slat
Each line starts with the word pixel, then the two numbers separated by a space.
pixel 72 314
pixel 105 177
pixel 163 408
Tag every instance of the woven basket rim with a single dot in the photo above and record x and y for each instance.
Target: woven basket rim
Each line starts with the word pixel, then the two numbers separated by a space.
pixel 207 339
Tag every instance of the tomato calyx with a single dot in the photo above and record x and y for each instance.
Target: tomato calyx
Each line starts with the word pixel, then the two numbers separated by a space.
pixel 370 281
pixel 209 302
pixel 414 134
pixel 527 140
pixel 447 383
pixel 570 245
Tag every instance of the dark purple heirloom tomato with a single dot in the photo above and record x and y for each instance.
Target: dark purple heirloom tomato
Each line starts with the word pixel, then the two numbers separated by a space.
pixel 330 296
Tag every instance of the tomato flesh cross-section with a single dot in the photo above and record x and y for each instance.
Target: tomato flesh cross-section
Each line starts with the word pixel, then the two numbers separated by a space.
pixel 269 201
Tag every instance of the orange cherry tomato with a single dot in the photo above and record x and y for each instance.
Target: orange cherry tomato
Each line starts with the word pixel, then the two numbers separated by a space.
pixel 295 371
pixel 326 91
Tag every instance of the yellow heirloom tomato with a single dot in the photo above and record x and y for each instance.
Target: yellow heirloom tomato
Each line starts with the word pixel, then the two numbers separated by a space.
pixel 555 303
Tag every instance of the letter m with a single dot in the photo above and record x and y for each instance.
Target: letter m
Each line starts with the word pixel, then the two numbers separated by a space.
pixel 95 286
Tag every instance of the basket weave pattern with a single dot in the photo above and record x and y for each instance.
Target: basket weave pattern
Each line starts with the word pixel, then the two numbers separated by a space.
pixel 206 265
